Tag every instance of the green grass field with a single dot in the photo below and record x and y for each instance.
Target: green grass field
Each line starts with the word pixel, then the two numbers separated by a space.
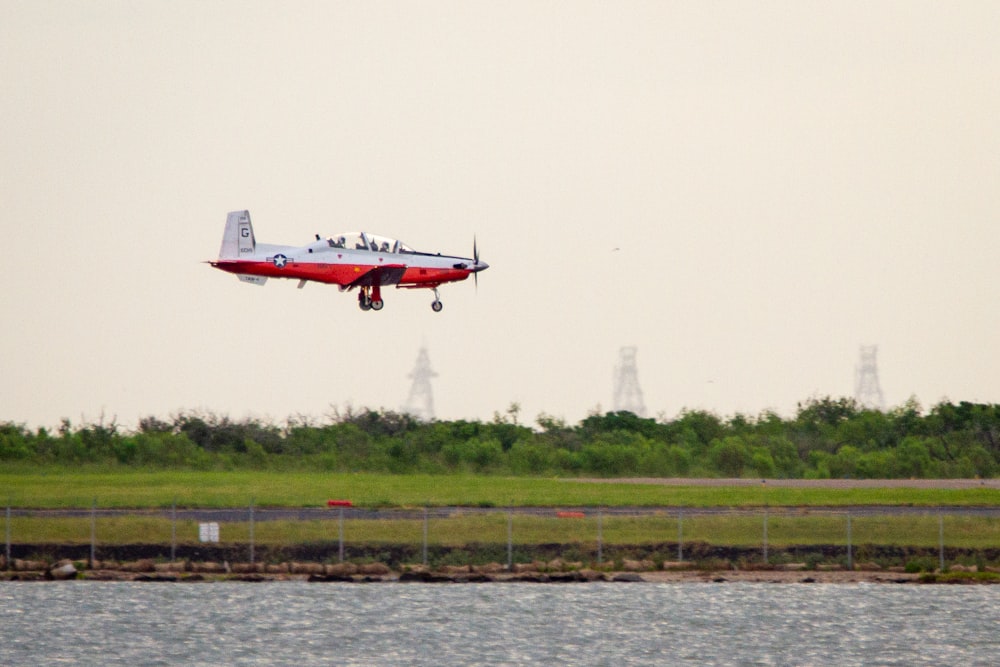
pixel 58 489
pixel 126 488
pixel 728 529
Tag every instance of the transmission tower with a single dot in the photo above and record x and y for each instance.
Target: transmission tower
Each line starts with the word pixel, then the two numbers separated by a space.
pixel 867 391
pixel 420 404
pixel 628 395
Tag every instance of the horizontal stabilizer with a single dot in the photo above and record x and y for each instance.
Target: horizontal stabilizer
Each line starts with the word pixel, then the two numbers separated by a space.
pixel 256 280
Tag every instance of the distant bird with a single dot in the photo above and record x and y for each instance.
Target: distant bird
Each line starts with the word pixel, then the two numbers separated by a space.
pixel 615 249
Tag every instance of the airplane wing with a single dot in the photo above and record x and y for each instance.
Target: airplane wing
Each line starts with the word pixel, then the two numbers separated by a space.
pixel 390 274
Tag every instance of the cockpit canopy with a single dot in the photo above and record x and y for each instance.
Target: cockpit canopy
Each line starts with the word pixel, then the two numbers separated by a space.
pixel 370 242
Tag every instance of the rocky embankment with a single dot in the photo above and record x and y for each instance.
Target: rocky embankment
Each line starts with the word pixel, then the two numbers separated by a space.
pixel 555 571
pixel 700 555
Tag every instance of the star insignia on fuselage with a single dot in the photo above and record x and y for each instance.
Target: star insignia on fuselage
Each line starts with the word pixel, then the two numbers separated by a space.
pixel 279 261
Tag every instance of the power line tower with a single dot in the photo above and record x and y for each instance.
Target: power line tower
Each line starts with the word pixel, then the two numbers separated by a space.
pixel 420 403
pixel 628 395
pixel 867 391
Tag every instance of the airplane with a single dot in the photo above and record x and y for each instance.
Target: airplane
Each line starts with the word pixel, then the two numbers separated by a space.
pixel 350 260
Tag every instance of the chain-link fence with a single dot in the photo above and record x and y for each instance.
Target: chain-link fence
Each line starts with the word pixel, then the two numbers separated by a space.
pixel 924 537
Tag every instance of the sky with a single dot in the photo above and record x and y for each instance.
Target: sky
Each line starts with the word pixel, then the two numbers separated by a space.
pixel 746 192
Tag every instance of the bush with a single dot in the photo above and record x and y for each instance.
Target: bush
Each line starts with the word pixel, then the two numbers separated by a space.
pixel 827 438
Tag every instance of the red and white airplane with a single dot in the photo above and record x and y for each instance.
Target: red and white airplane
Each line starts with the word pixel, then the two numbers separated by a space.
pixel 349 260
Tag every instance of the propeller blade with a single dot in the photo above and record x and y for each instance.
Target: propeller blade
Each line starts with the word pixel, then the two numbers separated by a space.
pixel 475 257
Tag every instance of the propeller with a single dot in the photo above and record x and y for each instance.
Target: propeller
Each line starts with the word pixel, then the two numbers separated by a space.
pixel 476 267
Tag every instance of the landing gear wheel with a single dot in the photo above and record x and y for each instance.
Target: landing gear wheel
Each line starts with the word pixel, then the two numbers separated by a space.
pixel 364 301
pixel 377 305
pixel 436 306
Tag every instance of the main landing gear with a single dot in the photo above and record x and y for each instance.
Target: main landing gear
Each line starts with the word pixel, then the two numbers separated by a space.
pixel 370 298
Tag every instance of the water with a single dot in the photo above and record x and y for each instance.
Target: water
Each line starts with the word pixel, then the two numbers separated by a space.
pixel 297 623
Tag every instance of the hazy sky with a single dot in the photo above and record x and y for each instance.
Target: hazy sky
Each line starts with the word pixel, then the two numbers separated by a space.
pixel 785 181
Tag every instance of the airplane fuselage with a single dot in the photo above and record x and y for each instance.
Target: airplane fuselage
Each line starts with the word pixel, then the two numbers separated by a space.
pixel 353 259
pixel 341 266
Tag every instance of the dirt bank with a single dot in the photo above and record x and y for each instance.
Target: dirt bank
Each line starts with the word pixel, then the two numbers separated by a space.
pixel 702 555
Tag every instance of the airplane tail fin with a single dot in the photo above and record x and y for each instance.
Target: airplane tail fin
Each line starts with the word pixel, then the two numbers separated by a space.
pixel 237 240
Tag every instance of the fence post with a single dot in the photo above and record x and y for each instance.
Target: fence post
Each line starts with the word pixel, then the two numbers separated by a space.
pixel 680 535
pixel 850 550
pixel 510 540
pixel 93 533
pixel 765 535
pixel 340 535
pixel 600 536
pixel 7 524
pixel 252 560
pixel 173 531
pixel 941 539
pixel 425 537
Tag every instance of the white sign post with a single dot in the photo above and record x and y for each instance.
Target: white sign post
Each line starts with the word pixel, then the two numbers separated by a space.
pixel 208 532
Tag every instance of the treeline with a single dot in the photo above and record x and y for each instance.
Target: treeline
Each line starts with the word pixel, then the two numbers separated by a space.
pixel 828 437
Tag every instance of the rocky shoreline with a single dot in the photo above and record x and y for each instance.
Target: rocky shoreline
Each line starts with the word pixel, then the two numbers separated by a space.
pixel 537 572
pixel 397 556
